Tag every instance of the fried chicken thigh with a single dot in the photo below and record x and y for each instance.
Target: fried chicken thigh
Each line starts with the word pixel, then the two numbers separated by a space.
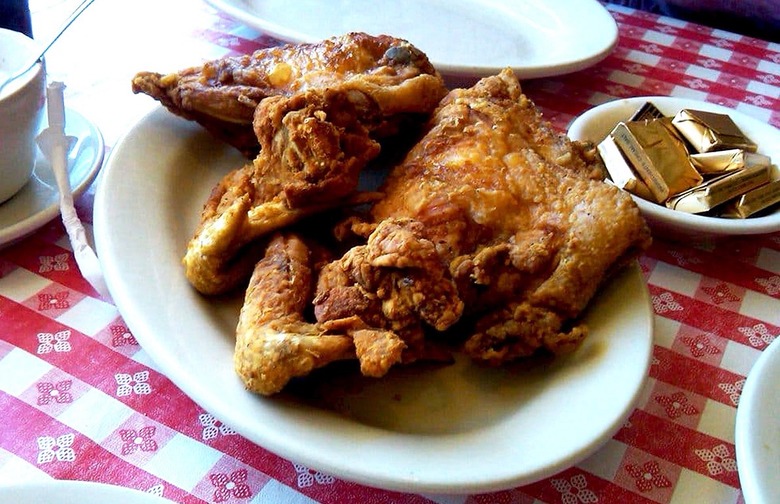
pixel 222 94
pixel 519 218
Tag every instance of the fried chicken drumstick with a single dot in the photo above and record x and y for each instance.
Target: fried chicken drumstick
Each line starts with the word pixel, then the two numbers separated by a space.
pixel 222 94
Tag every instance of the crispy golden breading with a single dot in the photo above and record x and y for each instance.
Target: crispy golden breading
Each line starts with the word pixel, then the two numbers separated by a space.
pixel 222 94
pixel 395 282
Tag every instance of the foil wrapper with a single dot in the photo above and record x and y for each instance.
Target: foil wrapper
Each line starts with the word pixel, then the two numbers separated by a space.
pixel 647 112
pixel 658 155
pixel 719 190
pixel 620 172
pixel 719 162
pixel 753 201
pixel 710 131
pixel 696 162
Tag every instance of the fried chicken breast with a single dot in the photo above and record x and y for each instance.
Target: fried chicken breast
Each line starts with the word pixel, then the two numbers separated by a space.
pixel 520 218
pixel 222 94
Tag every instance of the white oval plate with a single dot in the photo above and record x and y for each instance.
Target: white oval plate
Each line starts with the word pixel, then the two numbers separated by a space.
pixel 75 492
pixel 453 429
pixel 757 434
pixel 595 124
pixel 536 38
pixel 39 200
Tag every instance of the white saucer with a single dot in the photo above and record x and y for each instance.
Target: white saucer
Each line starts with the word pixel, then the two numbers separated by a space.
pixel 38 201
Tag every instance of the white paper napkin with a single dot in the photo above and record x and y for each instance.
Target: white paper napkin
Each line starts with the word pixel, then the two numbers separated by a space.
pixel 55 145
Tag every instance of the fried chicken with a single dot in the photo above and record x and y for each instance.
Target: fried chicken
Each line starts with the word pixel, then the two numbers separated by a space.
pixel 222 95
pixel 495 231
pixel 315 144
pixel 274 342
pixel 395 282
pixel 519 217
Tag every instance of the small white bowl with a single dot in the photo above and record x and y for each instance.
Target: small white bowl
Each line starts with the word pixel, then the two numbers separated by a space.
pixel 596 123
pixel 22 104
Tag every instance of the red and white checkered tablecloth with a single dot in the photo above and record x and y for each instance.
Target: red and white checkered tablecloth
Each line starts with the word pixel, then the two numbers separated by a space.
pixel 80 399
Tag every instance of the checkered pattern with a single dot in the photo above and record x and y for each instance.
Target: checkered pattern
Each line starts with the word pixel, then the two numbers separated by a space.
pixel 79 398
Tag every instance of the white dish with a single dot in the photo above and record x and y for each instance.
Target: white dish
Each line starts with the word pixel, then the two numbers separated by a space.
pixel 454 429
pixel 461 37
pixel 596 123
pixel 758 430
pixel 39 200
pixel 75 492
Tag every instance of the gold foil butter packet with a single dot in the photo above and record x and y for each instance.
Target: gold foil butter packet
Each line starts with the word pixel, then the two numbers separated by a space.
pixel 658 155
pixel 710 131
pixel 753 201
pixel 646 112
pixel 719 162
pixel 620 172
pixel 719 190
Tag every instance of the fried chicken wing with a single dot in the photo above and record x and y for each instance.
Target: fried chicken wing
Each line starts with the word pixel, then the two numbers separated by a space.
pixel 222 94
pixel 274 342
pixel 314 146
pixel 519 215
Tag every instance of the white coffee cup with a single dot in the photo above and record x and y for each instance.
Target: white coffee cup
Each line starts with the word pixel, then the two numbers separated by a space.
pixel 22 104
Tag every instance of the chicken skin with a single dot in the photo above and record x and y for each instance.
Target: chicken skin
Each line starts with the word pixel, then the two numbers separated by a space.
pixel 222 95
pixel 520 219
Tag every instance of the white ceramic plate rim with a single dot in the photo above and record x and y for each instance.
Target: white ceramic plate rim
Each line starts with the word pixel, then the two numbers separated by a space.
pixel 165 164
pixel 596 123
pixel 561 38
pixel 75 492
pixel 757 432
pixel 84 162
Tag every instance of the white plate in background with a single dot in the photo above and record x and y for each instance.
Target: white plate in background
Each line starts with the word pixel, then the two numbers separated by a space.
pixel 536 38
